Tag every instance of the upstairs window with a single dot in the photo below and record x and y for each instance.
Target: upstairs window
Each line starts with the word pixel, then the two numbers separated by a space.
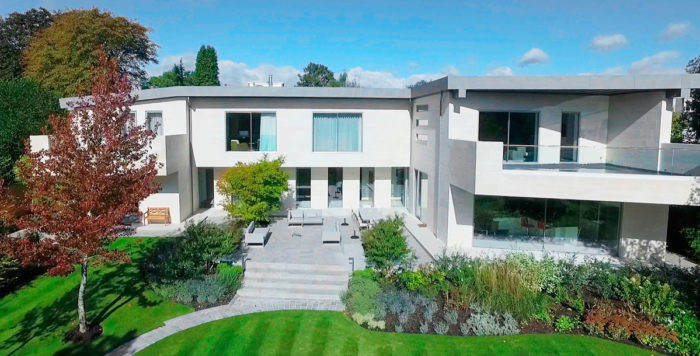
pixel 154 122
pixel 340 132
pixel 421 108
pixel 251 131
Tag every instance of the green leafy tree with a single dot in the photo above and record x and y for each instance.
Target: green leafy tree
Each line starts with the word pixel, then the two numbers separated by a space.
pixel 15 32
pixel 318 75
pixel 385 246
pixel 206 71
pixel 178 76
pixel 678 128
pixel 691 116
pixel 24 111
pixel 253 190
pixel 64 56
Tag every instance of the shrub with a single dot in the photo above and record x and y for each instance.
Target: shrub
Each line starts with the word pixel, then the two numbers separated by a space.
pixel 622 324
pixel 429 310
pixel 451 317
pixel 194 254
pixel 693 237
pixel 229 276
pixel 413 280
pixel 564 324
pixel 485 323
pixel 385 246
pixel 362 293
pixel 424 327
pixel 441 328
pixel 253 190
pixel 369 321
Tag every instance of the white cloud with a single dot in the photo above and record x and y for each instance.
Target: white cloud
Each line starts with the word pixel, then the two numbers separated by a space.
pixel 239 74
pixel 607 43
pixel 675 30
pixel 383 79
pixel 654 64
pixel 412 65
pixel 500 71
pixel 533 56
pixel 613 71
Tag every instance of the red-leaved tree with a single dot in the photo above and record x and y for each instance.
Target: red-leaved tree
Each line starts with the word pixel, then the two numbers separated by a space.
pixel 96 170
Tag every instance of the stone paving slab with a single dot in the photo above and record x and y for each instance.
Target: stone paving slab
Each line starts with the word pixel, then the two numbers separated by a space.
pixel 238 306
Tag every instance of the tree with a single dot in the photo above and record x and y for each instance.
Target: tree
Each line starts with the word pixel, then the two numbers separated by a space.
pixel 15 32
pixel 417 84
pixel 24 111
pixel 385 246
pixel 691 116
pixel 64 56
pixel 253 190
pixel 178 76
pixel 206 71
pixel 318 75
pixel 90 177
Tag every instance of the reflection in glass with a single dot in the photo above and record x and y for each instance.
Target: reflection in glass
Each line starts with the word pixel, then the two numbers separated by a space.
pixel 398 187
pixel 366 187
pixel 303 192
pixel 546 224
pixel 335 187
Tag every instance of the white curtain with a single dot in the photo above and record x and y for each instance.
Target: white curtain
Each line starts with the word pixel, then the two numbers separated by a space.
pixel 268 132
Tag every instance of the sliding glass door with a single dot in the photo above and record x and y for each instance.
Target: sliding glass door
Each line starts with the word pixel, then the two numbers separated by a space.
pixel 335 187
pixel 366 187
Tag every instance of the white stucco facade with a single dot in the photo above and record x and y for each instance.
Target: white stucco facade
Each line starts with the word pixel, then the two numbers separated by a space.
pixel 623 155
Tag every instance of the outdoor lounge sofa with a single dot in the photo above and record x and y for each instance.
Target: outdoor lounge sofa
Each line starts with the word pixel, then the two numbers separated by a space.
pixel 304 217
pixel 331 232
pixel 255 235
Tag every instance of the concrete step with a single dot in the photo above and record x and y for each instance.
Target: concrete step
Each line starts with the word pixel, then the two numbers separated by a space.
pixel 269 267
pixel 301 287
pixel 278 294
pixel 296 278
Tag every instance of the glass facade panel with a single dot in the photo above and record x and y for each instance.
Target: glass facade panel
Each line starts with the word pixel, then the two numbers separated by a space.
pixel 335 187
pixel 517 131
pixel 366 187
pixel 421 201
pixel 303 192
pixel 546 224
pixel 398 187
pixel 569 137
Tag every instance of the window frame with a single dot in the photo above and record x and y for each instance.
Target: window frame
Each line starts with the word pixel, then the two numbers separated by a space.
pixel 147 122
pixel 250 121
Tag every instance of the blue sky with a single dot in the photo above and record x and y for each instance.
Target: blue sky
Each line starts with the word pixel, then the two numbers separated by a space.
pixel 394 43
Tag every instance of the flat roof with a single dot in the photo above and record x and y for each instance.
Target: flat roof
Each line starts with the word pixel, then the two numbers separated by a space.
pixel 564 84
pixel 558 84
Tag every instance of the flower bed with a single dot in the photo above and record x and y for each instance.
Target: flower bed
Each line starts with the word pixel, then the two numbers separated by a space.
pixel 651 306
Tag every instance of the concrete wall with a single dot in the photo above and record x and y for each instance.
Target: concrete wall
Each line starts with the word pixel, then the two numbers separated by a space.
pixel 643 231
pixel 385 131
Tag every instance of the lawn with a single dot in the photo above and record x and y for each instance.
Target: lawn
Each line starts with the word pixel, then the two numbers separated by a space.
pixel 34 319
pixel 332 333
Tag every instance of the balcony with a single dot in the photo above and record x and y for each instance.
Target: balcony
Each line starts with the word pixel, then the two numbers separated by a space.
pixel 666 175
pixel 670 159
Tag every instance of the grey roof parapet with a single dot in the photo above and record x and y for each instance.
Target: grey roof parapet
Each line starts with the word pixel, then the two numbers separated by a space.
pixel 584 84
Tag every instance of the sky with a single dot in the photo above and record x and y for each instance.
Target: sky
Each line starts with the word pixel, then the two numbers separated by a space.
pixel 397 43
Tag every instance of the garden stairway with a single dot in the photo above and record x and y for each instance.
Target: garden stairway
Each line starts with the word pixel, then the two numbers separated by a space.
pixel 266 281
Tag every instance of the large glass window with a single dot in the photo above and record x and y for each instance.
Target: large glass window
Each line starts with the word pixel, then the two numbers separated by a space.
pixel 251 132
pixel 517 131
pixel 421 201
pixel 546 224
pixel 303 191
pixel 335 187
pixel 398 187
pixel 366 187
pixel 337 132
pixel 569 137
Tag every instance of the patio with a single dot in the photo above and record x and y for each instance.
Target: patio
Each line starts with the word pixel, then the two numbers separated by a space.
pixel 303 245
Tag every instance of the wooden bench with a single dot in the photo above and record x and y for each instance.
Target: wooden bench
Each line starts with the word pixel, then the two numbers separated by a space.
pixel 158 215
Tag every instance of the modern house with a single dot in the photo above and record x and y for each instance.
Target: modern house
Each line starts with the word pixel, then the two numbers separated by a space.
pixel 579 164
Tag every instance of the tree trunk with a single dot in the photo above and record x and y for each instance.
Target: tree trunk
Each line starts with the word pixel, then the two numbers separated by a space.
pixel 81 294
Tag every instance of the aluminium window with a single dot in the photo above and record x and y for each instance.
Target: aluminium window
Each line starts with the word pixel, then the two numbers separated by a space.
pixel 154 122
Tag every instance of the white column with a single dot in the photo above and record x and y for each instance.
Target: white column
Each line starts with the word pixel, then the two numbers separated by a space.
pixel 289 197
pixel 643 231
pixel 218 198
pixel 319 187
pixel 351 187
pixel 549 136
pixel 460 220
pixel 382 187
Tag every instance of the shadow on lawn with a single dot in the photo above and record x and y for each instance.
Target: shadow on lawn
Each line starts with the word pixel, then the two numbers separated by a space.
pixel 109 288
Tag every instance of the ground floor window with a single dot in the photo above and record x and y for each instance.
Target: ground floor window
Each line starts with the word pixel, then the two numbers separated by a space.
pixel 421 190
pixel 303 187
pixel 366 187
pixel 398 187
pixel 546 224
pixel 335 187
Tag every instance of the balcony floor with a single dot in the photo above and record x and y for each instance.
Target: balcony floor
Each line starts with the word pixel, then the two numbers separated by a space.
pixel 581 168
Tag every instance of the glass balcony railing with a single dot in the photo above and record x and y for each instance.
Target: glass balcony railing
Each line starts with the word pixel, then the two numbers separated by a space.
pixel 670 159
